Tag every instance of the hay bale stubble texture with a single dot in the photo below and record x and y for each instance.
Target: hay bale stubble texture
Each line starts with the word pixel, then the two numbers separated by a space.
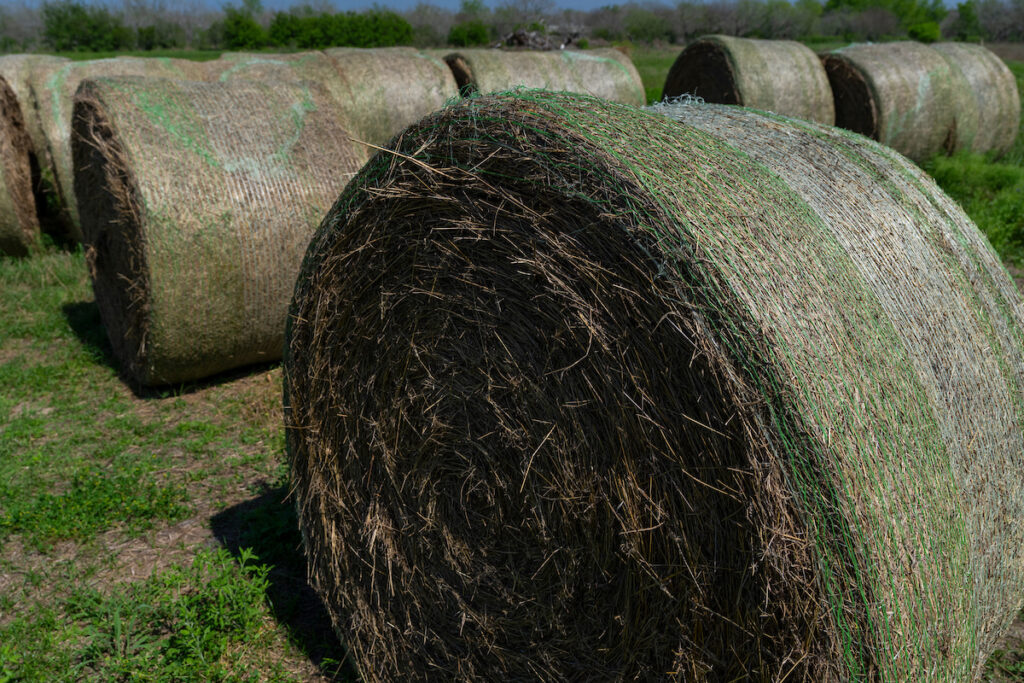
pixel 604 73
pixel 781 76
pixel 54 96
pixel 987 120
pixel 25 74
pixel 19 225
pixel 388 89
pixel 902 94
pixel 578 391
pixel 198 201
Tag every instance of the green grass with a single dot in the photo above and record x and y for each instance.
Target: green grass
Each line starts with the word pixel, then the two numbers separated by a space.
pixel 195 55
pixel 990 190
pixel 110 504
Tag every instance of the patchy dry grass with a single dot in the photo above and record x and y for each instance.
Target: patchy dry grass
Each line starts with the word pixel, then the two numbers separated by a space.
pixel 142 537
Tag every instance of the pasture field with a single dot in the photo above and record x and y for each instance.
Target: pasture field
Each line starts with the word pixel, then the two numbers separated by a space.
pixel 150 536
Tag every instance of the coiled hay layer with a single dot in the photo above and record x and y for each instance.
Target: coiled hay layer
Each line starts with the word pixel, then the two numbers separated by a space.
pixel 54 101
pixel 198 201
pixel 989 119
pixel 25 73
pixel 902 94
pixel 389 89
pixel 781 76
pixel 604 73
pixel 19 226
pixel 577 391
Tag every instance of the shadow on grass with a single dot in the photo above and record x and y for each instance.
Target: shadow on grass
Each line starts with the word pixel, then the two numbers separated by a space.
pixel 268 526
pixel 83 317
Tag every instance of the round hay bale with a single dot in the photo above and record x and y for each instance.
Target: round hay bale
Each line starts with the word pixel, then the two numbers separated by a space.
pixel 782 76
pixel 389 89
pixel 198 200
pixel 21 71
pixel 19 226
pixel 604 73
pixel 576 391
pixel 54 95
pixel 989 120
pixel 902 94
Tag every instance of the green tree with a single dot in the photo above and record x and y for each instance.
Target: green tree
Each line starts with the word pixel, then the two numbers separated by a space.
pixel 241 30
pixel 70 26
pixel 468 34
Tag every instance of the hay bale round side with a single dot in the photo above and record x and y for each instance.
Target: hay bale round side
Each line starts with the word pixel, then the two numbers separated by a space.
pixel 21 71
pixel 54 95
pixel 19 226
pixel 604 73
pixel 781 76
pixel 576 391
pixel 389 89
pixel 198 201
pixel 989 119
pixel 902 94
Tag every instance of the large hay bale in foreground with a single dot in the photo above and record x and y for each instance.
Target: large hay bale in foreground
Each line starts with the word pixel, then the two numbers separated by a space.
pixel 902 94
pixel 782 76
pixel 19 226
pixel 989 119
pixel 604 73
pixel 389 89
pixel 21 71
pixel 198 201
pixel 54 99
pixel 576 391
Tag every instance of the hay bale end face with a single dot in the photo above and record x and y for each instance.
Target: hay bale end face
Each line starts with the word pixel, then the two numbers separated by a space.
pixel 987 120
pixel 19 225
pixel 604 73
pixel 781 76
pixel 197 201
pixel 573 390
pixel 902 94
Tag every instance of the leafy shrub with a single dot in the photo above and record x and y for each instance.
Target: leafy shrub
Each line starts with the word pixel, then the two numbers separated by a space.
pixel 925 31
pixel 469 33
pixel 70 25
pixel 375 28
pixel 242 31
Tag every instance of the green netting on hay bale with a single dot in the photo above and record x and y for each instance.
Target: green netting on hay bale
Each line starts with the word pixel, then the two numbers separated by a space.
pixel 54 96
pixel 990 118
pixel 576 391
pixel 604 73
pixel 902 94
pixel 19 226
pixel 198 201
pixel 21 71
pixel 781 76
pixel 388 89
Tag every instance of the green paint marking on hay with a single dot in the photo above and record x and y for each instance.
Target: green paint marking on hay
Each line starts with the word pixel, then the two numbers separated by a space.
pixel 167 114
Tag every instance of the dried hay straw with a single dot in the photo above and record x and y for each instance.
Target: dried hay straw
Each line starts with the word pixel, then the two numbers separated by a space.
pixel 54 96
pixel 389 89
pixel 198 201
pixel 902 94
pixel 604 73
pixel 781 76
pixel 19 226
pixel 24 73
pixel 576 391
pixel 990 118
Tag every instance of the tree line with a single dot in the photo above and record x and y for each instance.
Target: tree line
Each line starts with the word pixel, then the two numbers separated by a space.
pixel 72 25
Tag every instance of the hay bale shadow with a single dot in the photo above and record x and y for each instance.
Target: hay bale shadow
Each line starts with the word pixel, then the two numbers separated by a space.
pixel 83 317
pixel 268 526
